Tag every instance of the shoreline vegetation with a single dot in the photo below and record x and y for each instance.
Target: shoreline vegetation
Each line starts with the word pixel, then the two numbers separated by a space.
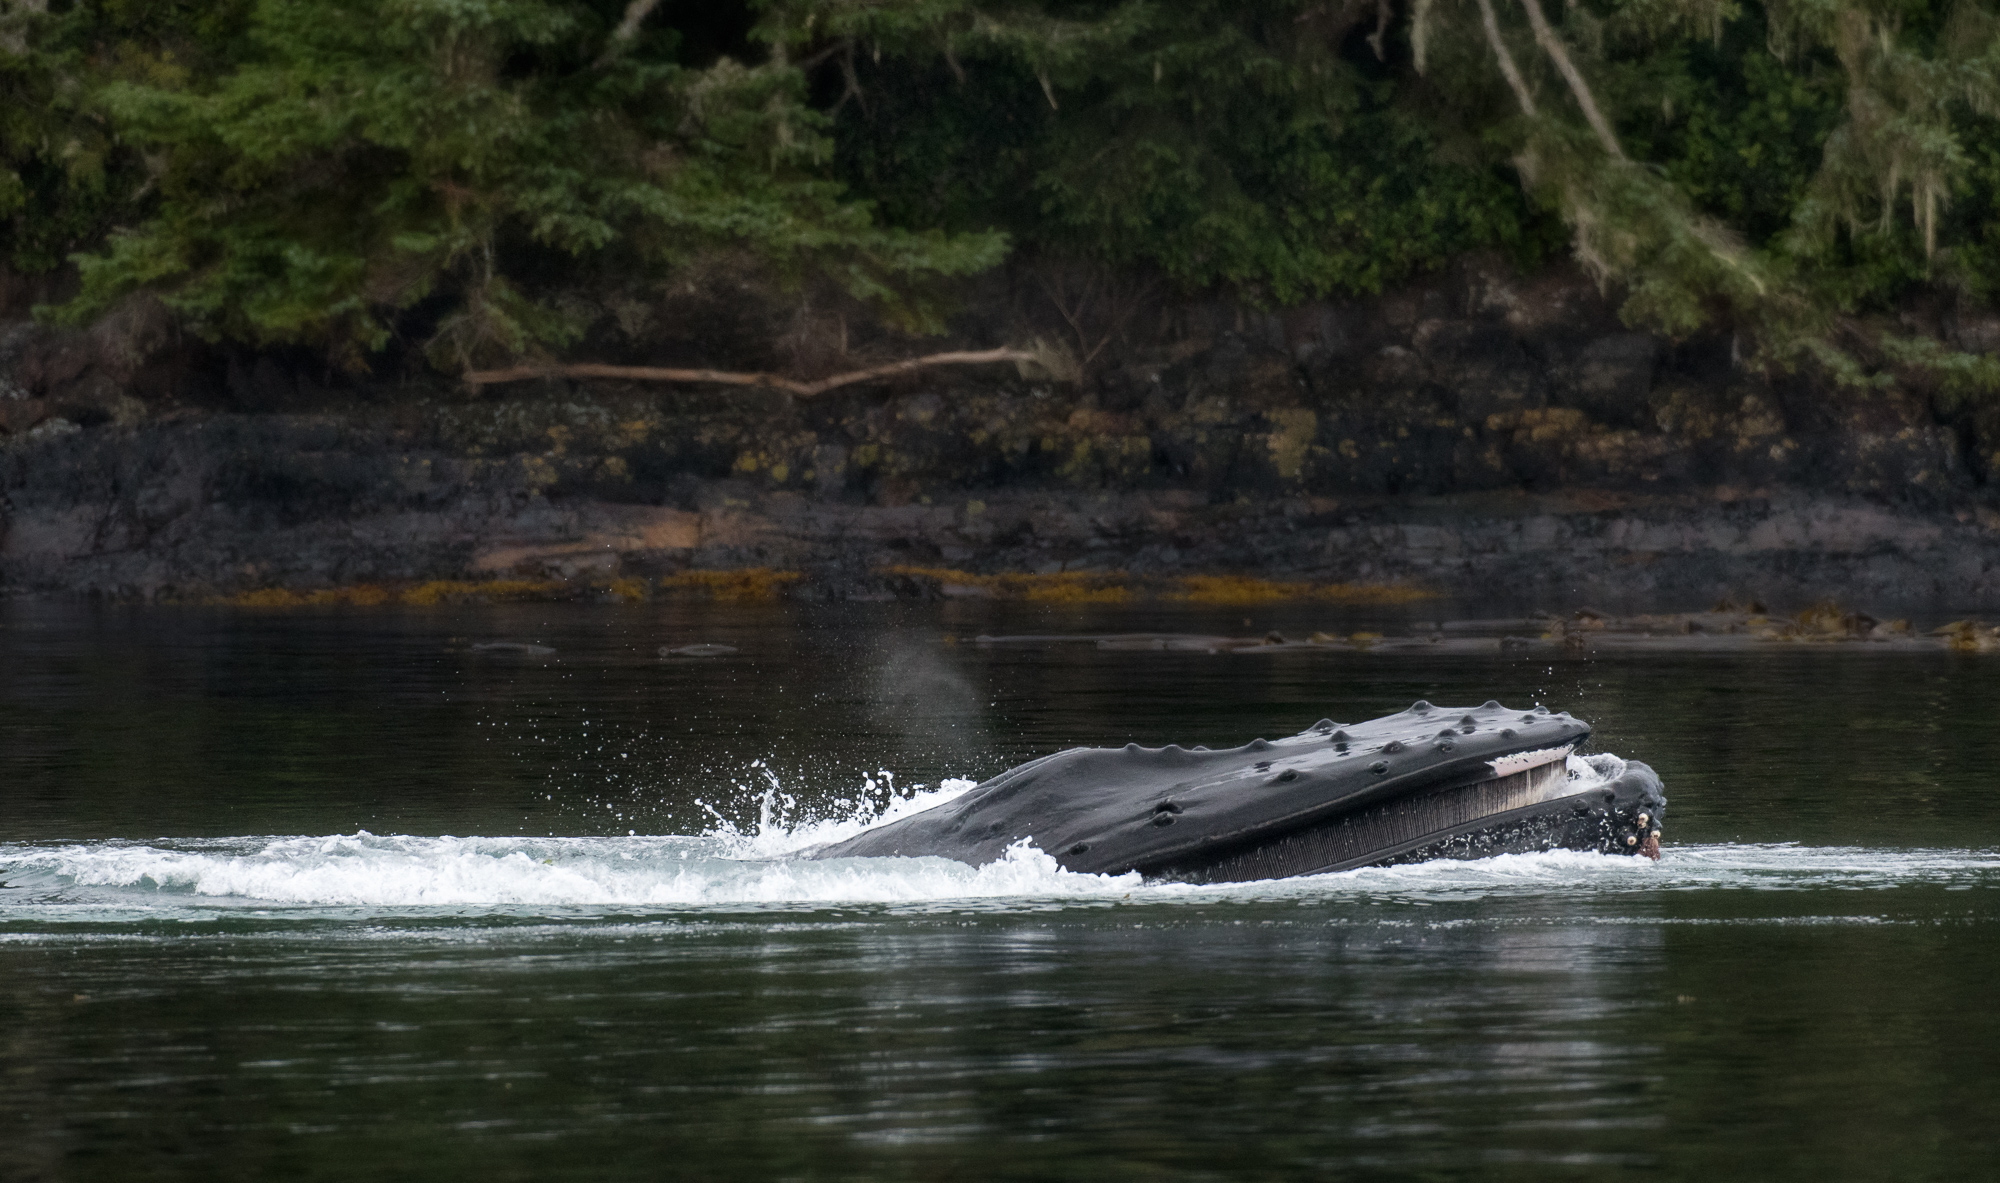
pixel 408 187
pixel 297 297
pixel 1725 627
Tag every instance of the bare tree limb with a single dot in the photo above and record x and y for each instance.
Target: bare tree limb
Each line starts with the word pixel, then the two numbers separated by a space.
pixel 850 82
pixel 636 12
pixel 1508 69
pixel 1381 30
pixel 818 56
pixel 741 378
pixel 1553 46
pixel 1420 32
pixel 1076 292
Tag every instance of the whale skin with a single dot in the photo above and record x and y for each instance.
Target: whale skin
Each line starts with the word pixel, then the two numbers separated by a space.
pixel 1426 782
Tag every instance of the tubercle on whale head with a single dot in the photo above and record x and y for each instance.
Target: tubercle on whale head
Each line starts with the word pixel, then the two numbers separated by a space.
pixel 1467 733
pixel 1470 738
pixel 1141 808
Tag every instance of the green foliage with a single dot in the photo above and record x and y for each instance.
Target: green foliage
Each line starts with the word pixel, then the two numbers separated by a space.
pixel 1735 129
pixel 1960 377
pixel 65 172
pixel 1772 168
pixel 1209 140
pixel 365 158
pixel 350 173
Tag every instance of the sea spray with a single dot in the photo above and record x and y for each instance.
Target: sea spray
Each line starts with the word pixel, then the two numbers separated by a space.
pixel 729 867
pixel 543 876
pixel 784 827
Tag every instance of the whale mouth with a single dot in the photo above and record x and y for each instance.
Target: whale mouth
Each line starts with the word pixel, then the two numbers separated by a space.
pixel 1463 819
pixel 1427 782
pixel 1523 761
pixel 1537 799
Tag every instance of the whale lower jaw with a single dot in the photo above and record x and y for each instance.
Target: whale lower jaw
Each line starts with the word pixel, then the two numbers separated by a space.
pixel 1536 808
pixel 1427 782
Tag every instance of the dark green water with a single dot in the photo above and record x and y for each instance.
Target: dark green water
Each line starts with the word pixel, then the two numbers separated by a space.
pixel 334 896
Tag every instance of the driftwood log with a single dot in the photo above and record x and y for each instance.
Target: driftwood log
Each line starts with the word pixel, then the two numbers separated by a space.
pixel 740 378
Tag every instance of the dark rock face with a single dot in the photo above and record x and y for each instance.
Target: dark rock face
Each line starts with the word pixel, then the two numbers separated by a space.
pixel 227 503
pixel 1478 427
pixel 1610 379
pixel 1428 781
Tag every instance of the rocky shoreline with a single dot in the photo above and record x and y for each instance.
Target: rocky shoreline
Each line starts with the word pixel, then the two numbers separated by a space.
pixel 1476 436
pixel 230 505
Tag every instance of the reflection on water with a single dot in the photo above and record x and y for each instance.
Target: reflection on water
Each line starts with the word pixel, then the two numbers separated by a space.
pixel 545 925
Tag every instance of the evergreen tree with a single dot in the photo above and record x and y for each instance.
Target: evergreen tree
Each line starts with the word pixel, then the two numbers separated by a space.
pixel 345 172
pixel 373 162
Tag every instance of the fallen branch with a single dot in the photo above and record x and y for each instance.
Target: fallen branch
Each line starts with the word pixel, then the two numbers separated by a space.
pixel 740 378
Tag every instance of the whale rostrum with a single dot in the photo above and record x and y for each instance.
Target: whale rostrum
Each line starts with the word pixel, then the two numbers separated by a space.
pixel 1427 782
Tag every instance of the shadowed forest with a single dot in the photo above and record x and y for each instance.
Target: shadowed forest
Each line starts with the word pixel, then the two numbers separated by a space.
pixel 471 183
pixel 411 290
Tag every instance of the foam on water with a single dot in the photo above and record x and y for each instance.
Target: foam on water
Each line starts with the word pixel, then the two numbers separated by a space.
pixel 729 867
pixel 671 873
pixel 399 870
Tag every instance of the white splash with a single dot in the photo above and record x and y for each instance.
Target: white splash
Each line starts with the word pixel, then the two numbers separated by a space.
pixel 674 873
pixel 783 828
pixel 399 870
pixel 729 868
pixel 1588 772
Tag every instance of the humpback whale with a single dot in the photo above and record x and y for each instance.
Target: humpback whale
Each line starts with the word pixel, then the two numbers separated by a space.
pixel 1427 782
